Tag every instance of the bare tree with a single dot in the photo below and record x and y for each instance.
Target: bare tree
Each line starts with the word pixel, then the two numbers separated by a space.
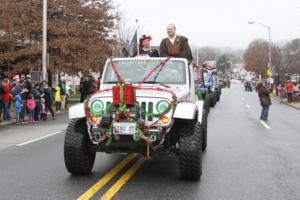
pixel 291 57
pixel 124 33
pixel 205 53
pixel 256 57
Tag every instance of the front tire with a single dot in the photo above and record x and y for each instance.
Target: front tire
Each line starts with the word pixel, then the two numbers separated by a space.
pixel 190 158
pixel 79 160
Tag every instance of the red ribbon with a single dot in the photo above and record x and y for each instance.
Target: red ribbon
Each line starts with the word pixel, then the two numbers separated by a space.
pixel 115 70
pixel 140 88
pixel 154 69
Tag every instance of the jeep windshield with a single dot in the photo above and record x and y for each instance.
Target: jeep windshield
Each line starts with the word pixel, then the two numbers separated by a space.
pixel 134 71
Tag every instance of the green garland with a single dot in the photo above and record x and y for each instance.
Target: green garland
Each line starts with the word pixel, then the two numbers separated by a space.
pixel 199 95
pixel 123 110
pixel 150 114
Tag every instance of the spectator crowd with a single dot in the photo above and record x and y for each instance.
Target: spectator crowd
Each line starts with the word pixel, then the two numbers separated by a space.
pixel 290 91
pixel 22 99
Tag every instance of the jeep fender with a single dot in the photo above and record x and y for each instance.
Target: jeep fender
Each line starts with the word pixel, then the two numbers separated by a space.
pixel 77 111
pixel 200 107
pixel 186 110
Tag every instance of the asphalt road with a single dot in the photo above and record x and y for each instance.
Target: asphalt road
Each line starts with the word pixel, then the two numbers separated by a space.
pixel 245 159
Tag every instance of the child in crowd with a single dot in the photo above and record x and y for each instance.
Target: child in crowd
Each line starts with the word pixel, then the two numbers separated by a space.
pixel 57 98
pixel 43 110
pixel 280 92
pixel 18 108
pixel 30 107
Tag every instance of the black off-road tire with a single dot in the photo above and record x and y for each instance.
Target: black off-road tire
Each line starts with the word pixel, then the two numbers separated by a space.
pixel 190 156
pixel 207 103
pixel 219 94
pixel 79 160
pixel 212 100
pixel 215 97
pixel 218 97
pixel 204 130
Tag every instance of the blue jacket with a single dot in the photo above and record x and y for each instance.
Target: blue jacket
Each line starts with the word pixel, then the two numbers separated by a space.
pixel 18 103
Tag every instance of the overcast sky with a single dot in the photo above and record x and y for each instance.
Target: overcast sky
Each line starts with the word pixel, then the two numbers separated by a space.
pixel 218 23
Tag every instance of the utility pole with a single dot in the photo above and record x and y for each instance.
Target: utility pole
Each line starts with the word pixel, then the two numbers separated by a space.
pixel 44 54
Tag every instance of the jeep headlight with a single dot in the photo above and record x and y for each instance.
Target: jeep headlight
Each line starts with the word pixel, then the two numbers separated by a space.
pixel 96 107
pixel 162 106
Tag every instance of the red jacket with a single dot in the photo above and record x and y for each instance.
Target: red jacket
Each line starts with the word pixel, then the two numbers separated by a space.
pixel 6 97
pixel 289 87
pixel 31 104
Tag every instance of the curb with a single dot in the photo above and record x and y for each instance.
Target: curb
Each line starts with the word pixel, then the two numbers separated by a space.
pixel 290 105
pixel 12 122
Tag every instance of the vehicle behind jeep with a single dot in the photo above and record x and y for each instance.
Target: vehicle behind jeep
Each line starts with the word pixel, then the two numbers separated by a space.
pixel 202 88
pixel 144 105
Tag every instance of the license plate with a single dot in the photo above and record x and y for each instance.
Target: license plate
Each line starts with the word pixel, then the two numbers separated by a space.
pixel 124 128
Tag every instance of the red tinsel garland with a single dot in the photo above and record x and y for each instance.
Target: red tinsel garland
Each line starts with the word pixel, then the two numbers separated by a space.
pixel 126 114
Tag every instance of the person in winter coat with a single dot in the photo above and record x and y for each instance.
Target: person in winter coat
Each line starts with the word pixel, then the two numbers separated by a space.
pixel 88 87
pixel 6 99
pixel 63 92
pixel 30 107
pixel 145 48
pixel 265 100
pixel 57 98
pixel 1 104
pixel 18 108
pixel 47 95
pixel 289 90
pixel 37 97
pixel 280 92
pixel 175 45
pixel 43 110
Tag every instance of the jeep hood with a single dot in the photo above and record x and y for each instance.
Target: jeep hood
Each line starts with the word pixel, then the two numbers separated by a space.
pixel 180 93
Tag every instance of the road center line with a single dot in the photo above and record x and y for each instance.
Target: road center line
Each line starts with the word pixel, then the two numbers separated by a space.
pixel 97 186
pixel 31 141
pixel 265 124
pixel 123 180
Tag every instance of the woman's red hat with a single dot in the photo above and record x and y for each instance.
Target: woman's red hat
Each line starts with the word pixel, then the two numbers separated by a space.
pixel 144 37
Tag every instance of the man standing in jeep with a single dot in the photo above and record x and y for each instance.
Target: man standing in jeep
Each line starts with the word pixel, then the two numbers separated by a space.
pixel 175 45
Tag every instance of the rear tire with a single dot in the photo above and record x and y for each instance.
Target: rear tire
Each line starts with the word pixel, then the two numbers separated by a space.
pixel 212 100
pixel 207 103
pixel 190 156
pixel 79 160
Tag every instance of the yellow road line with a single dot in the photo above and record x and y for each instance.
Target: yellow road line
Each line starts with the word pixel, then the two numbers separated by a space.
pixel 97 186
pixel 123 180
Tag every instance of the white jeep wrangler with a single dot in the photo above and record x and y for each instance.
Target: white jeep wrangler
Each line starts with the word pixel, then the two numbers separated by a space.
pixel 144 105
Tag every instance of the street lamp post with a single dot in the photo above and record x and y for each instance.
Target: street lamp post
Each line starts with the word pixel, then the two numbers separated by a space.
pixel 270 43
pixel 44 55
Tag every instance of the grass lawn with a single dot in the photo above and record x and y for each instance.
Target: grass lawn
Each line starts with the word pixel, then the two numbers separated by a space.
pixel 75 96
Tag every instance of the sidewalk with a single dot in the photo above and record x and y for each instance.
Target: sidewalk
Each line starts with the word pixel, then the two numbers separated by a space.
pixel 295 105
pixel 13 121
